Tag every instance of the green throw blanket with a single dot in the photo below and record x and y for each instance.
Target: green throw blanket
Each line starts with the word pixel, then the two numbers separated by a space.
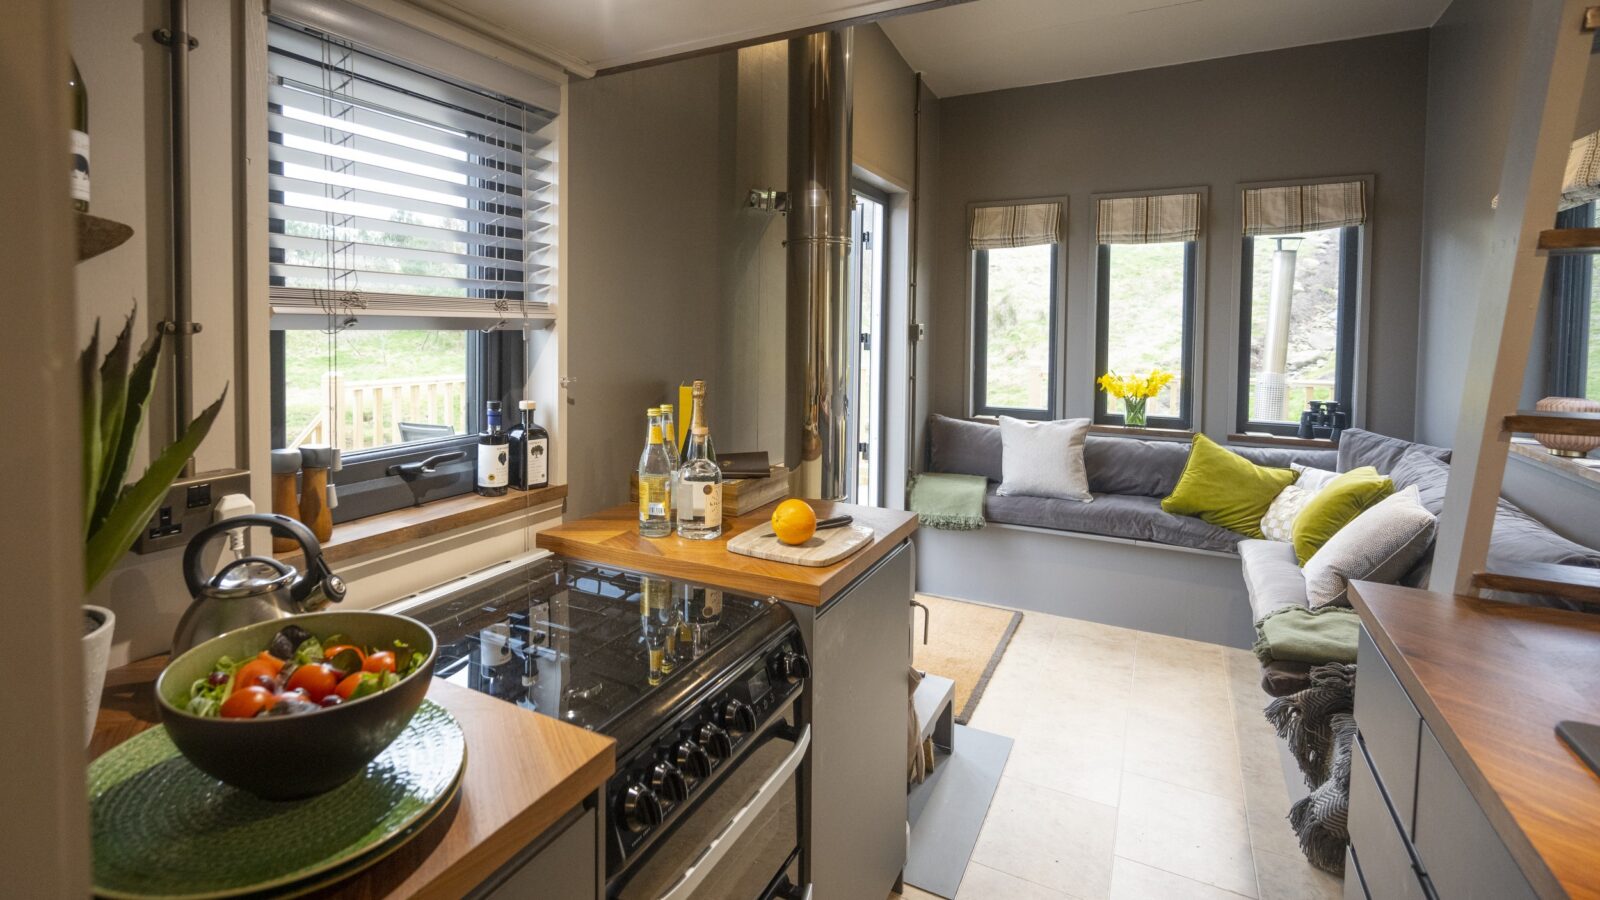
pixel 951 502
pixel 1298 634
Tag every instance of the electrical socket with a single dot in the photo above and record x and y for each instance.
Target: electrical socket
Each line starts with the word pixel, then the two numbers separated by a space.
pixel 188 508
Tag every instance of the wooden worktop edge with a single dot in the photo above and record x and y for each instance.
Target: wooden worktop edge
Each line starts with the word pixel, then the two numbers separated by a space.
pixel 1540 877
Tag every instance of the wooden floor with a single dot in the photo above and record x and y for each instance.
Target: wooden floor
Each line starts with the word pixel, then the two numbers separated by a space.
pixel 1142 769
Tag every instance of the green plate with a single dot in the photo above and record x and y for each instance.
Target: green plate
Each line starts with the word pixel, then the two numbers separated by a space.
pixel 162 828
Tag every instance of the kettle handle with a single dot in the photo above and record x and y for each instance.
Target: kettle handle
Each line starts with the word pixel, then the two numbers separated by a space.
pixel 194 575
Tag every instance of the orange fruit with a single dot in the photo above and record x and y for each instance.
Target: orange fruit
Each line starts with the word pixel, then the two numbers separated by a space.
pixel 794 522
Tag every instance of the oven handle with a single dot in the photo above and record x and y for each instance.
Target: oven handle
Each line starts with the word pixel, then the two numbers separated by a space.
pixel 736 827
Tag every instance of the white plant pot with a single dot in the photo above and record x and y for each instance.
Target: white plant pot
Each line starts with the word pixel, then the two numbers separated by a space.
pixel 96 653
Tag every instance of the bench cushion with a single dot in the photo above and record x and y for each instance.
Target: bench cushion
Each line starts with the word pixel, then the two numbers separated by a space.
pixel 1359 447
pixel 1116 515
pixel 1271 576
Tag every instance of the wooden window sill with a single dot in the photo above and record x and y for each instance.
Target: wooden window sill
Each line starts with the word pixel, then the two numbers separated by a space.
pixel 391 529
pixel 1171 434
pixel 1583 470
pixel 1283 440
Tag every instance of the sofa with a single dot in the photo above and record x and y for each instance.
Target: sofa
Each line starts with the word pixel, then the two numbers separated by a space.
pixel 1128 477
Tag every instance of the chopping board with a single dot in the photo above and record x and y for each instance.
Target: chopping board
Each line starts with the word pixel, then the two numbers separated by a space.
pixel 825 548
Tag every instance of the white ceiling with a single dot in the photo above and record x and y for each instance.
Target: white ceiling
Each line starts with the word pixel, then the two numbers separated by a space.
pixel 986 45
pixel 589 35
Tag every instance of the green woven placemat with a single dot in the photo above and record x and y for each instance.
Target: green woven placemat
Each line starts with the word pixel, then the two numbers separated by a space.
pixel 159 827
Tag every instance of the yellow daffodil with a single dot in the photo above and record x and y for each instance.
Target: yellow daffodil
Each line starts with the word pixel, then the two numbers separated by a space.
pixel 1135 386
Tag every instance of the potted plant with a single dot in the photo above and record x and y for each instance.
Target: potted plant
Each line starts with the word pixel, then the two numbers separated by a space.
pixel 1135 392
pixel 116 397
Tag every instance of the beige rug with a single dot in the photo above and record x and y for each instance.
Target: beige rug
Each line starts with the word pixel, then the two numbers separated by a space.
pixel 965 643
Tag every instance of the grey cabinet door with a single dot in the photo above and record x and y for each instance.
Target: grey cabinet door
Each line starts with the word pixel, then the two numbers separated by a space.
pixel 1389 724
pixel 1380 849
pixel 1461 851
pixel 566 867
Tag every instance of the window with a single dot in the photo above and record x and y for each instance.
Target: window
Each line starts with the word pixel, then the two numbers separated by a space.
pixel 1146 288
pixel 869 281
pixel 1300 284
pixel 1015 253
pixel 1574 352
pixel 409 226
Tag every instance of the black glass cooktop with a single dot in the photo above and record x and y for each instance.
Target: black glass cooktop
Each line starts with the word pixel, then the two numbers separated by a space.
pixel 601 648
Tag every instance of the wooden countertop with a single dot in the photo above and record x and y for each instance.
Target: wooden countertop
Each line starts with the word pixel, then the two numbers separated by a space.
pixel 524 772
pixel 1492 680
pixel 611 537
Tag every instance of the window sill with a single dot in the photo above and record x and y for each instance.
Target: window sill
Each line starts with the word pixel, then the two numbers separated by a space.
pixel 1169 434
pixel 384 531
pixel 1281 440
pixel 1584 470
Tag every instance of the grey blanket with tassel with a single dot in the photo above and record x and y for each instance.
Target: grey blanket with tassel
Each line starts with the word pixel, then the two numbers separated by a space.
pixel 1318 725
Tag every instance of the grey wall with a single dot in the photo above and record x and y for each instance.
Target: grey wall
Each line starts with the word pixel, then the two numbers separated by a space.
pixel 1346 108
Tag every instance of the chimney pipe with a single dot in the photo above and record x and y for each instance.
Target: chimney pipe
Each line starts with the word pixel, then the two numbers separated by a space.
pixel 819 258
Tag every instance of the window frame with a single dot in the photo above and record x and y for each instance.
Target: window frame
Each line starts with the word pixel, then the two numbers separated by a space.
pixel 1570 288
pixel 1188 400
pixel 1353 242
pixel 977 320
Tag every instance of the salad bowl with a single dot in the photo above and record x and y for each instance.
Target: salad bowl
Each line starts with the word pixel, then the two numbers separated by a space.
pixel 291 757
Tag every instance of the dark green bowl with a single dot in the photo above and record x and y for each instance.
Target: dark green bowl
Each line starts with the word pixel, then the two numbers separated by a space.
pixel 293 757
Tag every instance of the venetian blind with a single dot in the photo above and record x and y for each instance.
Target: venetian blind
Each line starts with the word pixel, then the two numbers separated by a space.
pixel 1296 208
pixel 1154 219
pixel 396 192
pixel 1019 225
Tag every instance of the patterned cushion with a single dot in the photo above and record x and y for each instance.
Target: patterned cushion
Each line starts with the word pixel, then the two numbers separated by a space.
pixel 1278 523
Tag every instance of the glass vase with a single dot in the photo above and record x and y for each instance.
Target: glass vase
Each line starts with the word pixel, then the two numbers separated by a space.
pixel 1133 411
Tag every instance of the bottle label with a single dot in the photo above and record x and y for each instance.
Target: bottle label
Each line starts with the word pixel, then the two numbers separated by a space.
pixel 538 462
pixel 702 500
pixel 80 166
pixel 653 498
pixel 492 460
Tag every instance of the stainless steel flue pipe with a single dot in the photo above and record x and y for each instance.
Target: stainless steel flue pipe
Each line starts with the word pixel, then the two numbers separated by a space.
pixel 820 342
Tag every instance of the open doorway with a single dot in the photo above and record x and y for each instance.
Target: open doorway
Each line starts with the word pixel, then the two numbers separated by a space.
pixel 868 292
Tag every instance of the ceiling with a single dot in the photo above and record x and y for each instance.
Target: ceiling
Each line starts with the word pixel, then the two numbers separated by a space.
pixel 986 45
pixel 590 35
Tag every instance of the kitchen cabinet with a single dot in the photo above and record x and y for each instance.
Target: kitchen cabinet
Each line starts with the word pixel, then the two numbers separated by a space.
pixel 564 864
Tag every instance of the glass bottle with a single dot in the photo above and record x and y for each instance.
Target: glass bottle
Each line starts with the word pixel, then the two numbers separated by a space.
pixel 669 435
pixel 699 479
pixel 655 484
pixel 79 141
pixel 493 454
pixel 530 451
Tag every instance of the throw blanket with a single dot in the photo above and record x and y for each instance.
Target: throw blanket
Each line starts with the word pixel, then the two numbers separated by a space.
pixel 1317 636
pixel 1320 730
pixel 951 502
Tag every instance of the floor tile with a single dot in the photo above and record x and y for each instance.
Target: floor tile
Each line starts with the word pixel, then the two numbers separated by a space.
pixel 1206 760
pixel 1049 838
pixel 1292 878
pixel 984 883
pixel 1187 832
pixel 1085 762
pixel 1136 881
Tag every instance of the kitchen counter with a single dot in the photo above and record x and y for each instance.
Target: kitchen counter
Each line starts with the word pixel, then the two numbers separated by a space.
pixel 524 773
pixel 611 537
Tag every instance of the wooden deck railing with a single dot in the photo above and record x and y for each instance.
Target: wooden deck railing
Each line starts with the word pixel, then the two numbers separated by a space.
pixel 361 414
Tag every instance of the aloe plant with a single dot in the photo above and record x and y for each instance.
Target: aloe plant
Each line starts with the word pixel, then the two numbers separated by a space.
pixel 116 398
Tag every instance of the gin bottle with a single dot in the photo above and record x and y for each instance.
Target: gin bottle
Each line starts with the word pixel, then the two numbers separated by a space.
pixel 655 484
pixel 699 479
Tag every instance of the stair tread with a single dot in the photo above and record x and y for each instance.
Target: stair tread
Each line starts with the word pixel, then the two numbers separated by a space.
pixel 1534 421
pixel 1560 241
pixel 1572 582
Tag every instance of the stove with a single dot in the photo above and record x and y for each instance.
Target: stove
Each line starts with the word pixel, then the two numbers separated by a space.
pixel 687 679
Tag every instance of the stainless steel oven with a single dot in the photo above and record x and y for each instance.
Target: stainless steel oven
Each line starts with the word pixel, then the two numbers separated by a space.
pixel 742 840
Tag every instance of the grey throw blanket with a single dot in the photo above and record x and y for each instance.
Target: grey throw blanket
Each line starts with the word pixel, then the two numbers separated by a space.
pixel 1318 725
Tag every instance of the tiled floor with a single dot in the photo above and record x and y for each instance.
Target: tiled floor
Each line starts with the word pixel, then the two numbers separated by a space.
pixel 1142 770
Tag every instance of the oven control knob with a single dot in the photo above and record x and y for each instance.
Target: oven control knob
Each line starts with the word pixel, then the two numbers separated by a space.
pixel 716 739
pixel 668 782
pixel 791 666
pixel 692 760
pixel 738 718
pixel 641 808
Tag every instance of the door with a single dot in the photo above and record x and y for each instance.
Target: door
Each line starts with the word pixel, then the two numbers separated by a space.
pixel 868 284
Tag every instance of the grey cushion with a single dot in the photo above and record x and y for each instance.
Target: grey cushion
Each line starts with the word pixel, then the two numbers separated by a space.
pixel 964 447
pixel 1381 545
pixel 1284 457
pixel 1359 447
pixel 1120 465
pixel 1044 459
pixel 1117 515
pixel 1271 575
pixel 1423 470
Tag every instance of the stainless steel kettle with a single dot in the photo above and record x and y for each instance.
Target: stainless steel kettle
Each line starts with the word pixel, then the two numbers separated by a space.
pixel 255 588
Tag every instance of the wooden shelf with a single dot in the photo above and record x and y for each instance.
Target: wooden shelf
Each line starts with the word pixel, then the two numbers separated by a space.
pixel 1568 241
pixel 1530 421
pixel 1283 440
pixel 97 235
pixel 1571 582
pixel 1170 434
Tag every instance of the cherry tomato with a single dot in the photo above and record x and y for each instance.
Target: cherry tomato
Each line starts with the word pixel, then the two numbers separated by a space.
pixel 328 653
pixel 349 685
pixel 273 661
pixel 252 670
pixel 382 661
pixel 247 702
pixel 318 680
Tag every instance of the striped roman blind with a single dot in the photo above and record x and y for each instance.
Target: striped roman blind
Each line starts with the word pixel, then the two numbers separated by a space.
pixel 1015 225
pixel 1151 219
pixel 395 192
pixel 1297 208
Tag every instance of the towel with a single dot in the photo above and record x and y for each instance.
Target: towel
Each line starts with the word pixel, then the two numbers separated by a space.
pixel 950 502
pixel 1316 636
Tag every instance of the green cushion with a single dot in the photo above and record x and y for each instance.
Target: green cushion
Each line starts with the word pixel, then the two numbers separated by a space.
pixel 1224 488
pixel 1344 498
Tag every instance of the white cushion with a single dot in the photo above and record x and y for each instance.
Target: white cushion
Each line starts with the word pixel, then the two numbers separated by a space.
pixel 1278 523
pixel 1311 479
pixel 1044 459
pixel 1382 545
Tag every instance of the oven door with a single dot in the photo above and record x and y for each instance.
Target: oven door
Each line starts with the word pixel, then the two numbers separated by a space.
pixel 742 841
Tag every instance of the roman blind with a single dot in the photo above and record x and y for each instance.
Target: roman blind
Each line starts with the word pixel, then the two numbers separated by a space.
pixel 1154 219
pixel 1018 225
pixel 394 191
pixel 1582 181
pixel 1296 208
